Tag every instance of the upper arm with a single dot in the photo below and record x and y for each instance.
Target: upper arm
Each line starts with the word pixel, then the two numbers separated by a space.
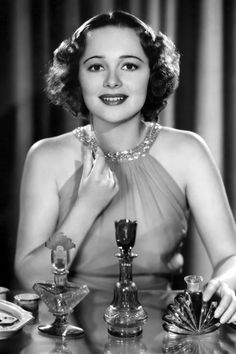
pixel 208 202
pixel 38 200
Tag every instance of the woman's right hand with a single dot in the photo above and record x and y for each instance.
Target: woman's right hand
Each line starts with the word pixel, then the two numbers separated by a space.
pixel 98 184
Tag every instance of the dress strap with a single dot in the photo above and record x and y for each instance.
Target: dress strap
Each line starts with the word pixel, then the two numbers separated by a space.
pixel 140 150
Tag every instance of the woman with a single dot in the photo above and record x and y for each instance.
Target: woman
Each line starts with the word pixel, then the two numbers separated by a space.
pixel 116 73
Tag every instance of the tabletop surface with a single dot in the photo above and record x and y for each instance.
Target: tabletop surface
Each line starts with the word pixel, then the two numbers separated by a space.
pixel 89 315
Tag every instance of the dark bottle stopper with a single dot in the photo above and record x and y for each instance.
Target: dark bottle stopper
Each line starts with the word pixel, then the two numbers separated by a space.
pixel 125 234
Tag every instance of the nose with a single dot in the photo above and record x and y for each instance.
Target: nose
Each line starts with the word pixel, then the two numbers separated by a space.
pixel 112 80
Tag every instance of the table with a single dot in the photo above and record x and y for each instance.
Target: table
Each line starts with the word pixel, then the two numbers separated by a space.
pixel 89 315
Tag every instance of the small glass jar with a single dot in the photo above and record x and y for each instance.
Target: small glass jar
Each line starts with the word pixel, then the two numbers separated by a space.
pixel 29 302
pixel 3 293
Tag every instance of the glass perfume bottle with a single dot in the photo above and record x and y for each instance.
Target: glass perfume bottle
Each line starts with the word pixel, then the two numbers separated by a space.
pixel 61 346
pixel 60 296
pixel 125 316
pixel 190 314
pixel 116 345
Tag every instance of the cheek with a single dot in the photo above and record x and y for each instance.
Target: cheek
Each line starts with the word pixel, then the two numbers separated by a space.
pixel 89 86
pixel 84 83
pixel 141 83
pixel 141 87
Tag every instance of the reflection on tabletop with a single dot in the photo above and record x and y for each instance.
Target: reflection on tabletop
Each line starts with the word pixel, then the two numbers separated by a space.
pixel 154 338
pixel 89 315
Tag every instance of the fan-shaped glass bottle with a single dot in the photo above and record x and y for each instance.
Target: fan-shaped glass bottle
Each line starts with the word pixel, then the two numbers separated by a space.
pixel 189 314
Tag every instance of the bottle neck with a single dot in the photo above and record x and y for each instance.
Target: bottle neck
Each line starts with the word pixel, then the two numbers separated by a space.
pixel 125 269
pixel 60 279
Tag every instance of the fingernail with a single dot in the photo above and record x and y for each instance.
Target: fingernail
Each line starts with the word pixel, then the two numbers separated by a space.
pixel 216 314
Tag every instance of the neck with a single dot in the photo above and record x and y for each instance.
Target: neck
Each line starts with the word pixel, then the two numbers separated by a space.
pixel 119 136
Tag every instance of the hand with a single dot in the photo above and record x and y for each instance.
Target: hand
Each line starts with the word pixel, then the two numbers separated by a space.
pixel 98 184
pixel 176 262
pixel 226 309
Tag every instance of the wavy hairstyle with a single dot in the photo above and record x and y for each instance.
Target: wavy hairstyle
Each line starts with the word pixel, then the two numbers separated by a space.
pixel 62 83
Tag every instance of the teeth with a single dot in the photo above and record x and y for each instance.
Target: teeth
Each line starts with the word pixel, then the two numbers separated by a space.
pixel 113 99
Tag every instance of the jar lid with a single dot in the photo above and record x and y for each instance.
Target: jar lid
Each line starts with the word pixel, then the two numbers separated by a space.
pixel 26 297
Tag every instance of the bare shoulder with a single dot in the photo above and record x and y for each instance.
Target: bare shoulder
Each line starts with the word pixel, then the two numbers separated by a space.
pixel 183 138
pixel 182 144
pixel 53 159
pixel 182 153
pixel 55 151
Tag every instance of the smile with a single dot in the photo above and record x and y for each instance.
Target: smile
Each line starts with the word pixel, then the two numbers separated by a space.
pixel 112 100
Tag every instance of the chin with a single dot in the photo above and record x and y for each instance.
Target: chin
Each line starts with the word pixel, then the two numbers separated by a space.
pixel 116 118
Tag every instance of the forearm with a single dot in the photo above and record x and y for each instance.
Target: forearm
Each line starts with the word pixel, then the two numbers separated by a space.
pixel 33 268
pixel 35 265
pixel 77 224
pixel 225 271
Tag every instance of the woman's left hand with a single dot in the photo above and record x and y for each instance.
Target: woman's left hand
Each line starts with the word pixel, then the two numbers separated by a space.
pixel 226 309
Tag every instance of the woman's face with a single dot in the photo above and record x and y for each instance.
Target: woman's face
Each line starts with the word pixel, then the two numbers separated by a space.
pixel 114 74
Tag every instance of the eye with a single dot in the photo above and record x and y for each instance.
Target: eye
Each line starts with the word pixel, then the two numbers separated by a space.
pixel 95 67
pixel 130 67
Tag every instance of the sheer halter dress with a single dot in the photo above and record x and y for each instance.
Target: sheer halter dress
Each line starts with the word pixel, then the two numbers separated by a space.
pixel 148 194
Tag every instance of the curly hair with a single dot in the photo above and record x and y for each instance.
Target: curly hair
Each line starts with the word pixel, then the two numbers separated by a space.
pixel 62 83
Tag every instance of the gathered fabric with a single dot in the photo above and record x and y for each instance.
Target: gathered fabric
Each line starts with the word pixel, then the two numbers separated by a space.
pixel 147 194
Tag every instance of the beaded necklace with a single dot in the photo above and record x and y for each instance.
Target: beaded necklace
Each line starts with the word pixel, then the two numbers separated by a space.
pixel 126 155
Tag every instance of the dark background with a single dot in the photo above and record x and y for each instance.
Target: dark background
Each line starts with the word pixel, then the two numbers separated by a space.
pixel 205 34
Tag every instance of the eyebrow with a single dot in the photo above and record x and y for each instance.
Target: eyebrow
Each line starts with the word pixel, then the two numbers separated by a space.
pixel 121 57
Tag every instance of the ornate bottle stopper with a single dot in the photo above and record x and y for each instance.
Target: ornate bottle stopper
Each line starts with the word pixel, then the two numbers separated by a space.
pixel 60 296
pixel 190 314
pixel 125 316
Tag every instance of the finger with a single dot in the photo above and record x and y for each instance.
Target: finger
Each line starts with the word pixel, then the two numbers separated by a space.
pixel 116 184
pixel 224 304
pixel 108 177
pixel 99 152
pixel 100 164
pixel 228 315
pixel 210 289
pixel 233 319
pixel 87 161
pixel 176 262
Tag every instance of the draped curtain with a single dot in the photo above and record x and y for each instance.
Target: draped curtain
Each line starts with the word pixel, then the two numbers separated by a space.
pixel 204 32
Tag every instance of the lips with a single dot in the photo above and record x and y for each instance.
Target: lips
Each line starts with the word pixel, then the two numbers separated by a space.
pixel 113 100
